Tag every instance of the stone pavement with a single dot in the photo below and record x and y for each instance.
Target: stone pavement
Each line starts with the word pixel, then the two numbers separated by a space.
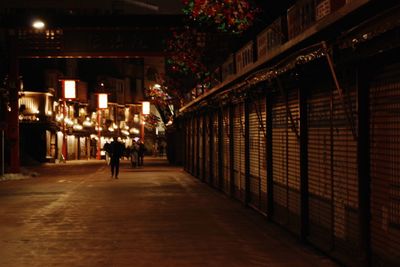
pixel 74 214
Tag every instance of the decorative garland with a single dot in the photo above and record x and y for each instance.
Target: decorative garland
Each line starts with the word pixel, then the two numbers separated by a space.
pixel 152 121
pixel 185 55
pixel 234 16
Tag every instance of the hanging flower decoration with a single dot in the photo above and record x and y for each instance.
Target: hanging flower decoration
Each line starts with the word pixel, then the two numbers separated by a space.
pixel 233 16
pixel 184 53
pixel 158 95
pixel 152 121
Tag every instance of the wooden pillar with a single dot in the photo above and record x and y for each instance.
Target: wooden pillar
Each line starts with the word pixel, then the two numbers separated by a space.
pixel 304 211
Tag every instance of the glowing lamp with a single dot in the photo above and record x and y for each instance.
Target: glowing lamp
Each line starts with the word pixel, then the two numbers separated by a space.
pixel 145 107
pixel 69 89
pixel 103 100
pixel 38 24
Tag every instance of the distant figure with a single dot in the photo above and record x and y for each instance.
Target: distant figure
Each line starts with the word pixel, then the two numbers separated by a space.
pixel 155 149
pixel 134 155
pixel 161 147
pixel 116 150
pixel 142 149
pixel 107 149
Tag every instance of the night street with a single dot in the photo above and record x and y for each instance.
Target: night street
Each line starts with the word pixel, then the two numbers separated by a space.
pixel 74 214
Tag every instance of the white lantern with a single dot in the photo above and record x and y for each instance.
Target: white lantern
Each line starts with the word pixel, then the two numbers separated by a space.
pixel 103 100
pixel 145 107
pixel 69 89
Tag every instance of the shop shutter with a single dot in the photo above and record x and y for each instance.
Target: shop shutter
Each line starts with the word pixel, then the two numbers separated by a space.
pixel 257 134
pixel 332 173
pixel 187 145
pixel 286 161
pixel 207 148
pixel 195 147
pixel 191 156
pixel 320 169
pixel 293 162
pixel 345 210
pixel 201 148
pixel 215 157
pixel 239 151
pixel 385 166
pixel 226 170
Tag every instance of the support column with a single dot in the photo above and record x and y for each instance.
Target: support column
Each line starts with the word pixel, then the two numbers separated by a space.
pixel 99 134
pixel 304 212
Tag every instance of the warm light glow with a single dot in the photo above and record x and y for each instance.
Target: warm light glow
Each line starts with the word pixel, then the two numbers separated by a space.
pixel 78 127
pixel 145 108
pixel 38 24
pixel 69 89
pixel 136 118
pixel 103 100
pixel 134 131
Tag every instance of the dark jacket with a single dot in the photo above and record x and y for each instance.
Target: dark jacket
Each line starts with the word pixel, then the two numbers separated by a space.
pixel 116 149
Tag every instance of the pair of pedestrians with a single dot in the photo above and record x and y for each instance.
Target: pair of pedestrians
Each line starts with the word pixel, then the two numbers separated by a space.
pixel 137 151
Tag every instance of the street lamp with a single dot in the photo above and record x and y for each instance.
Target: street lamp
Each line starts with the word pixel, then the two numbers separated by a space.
pixel 69 93
pixel 102 103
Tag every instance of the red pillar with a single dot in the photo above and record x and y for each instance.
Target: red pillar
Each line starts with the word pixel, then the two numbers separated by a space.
pixel 99 134
pixel 12 132
pixel 64 142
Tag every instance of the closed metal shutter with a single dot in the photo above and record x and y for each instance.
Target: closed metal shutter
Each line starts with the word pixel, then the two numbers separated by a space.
pixel 346 228
pixel 207 149
pixel 257 134
pixel 320 169
pixel 191 145
pixel 201 147
pixel 215 157
pixel 226 170
pixel 239 151
pixel 195 147
pixel 286 161
pixel 332 174
pixel 187 146
pixel 385 166
pixel 293 162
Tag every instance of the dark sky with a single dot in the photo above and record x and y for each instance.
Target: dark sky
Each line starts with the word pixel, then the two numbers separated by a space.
pixel 129 6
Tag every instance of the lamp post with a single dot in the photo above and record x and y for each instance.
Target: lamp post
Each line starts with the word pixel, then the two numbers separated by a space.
pixel 145 111
pixel 102 101
pixel 69 93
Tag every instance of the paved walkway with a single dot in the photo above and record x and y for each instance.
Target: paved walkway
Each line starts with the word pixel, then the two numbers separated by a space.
pixel 74 214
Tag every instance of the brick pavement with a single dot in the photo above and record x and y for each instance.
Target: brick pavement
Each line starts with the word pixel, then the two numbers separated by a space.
pixel 74 215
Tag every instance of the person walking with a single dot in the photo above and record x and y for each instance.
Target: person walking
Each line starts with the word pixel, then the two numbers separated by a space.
pixel 141 152
pixel 116 150
pixel 134 155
